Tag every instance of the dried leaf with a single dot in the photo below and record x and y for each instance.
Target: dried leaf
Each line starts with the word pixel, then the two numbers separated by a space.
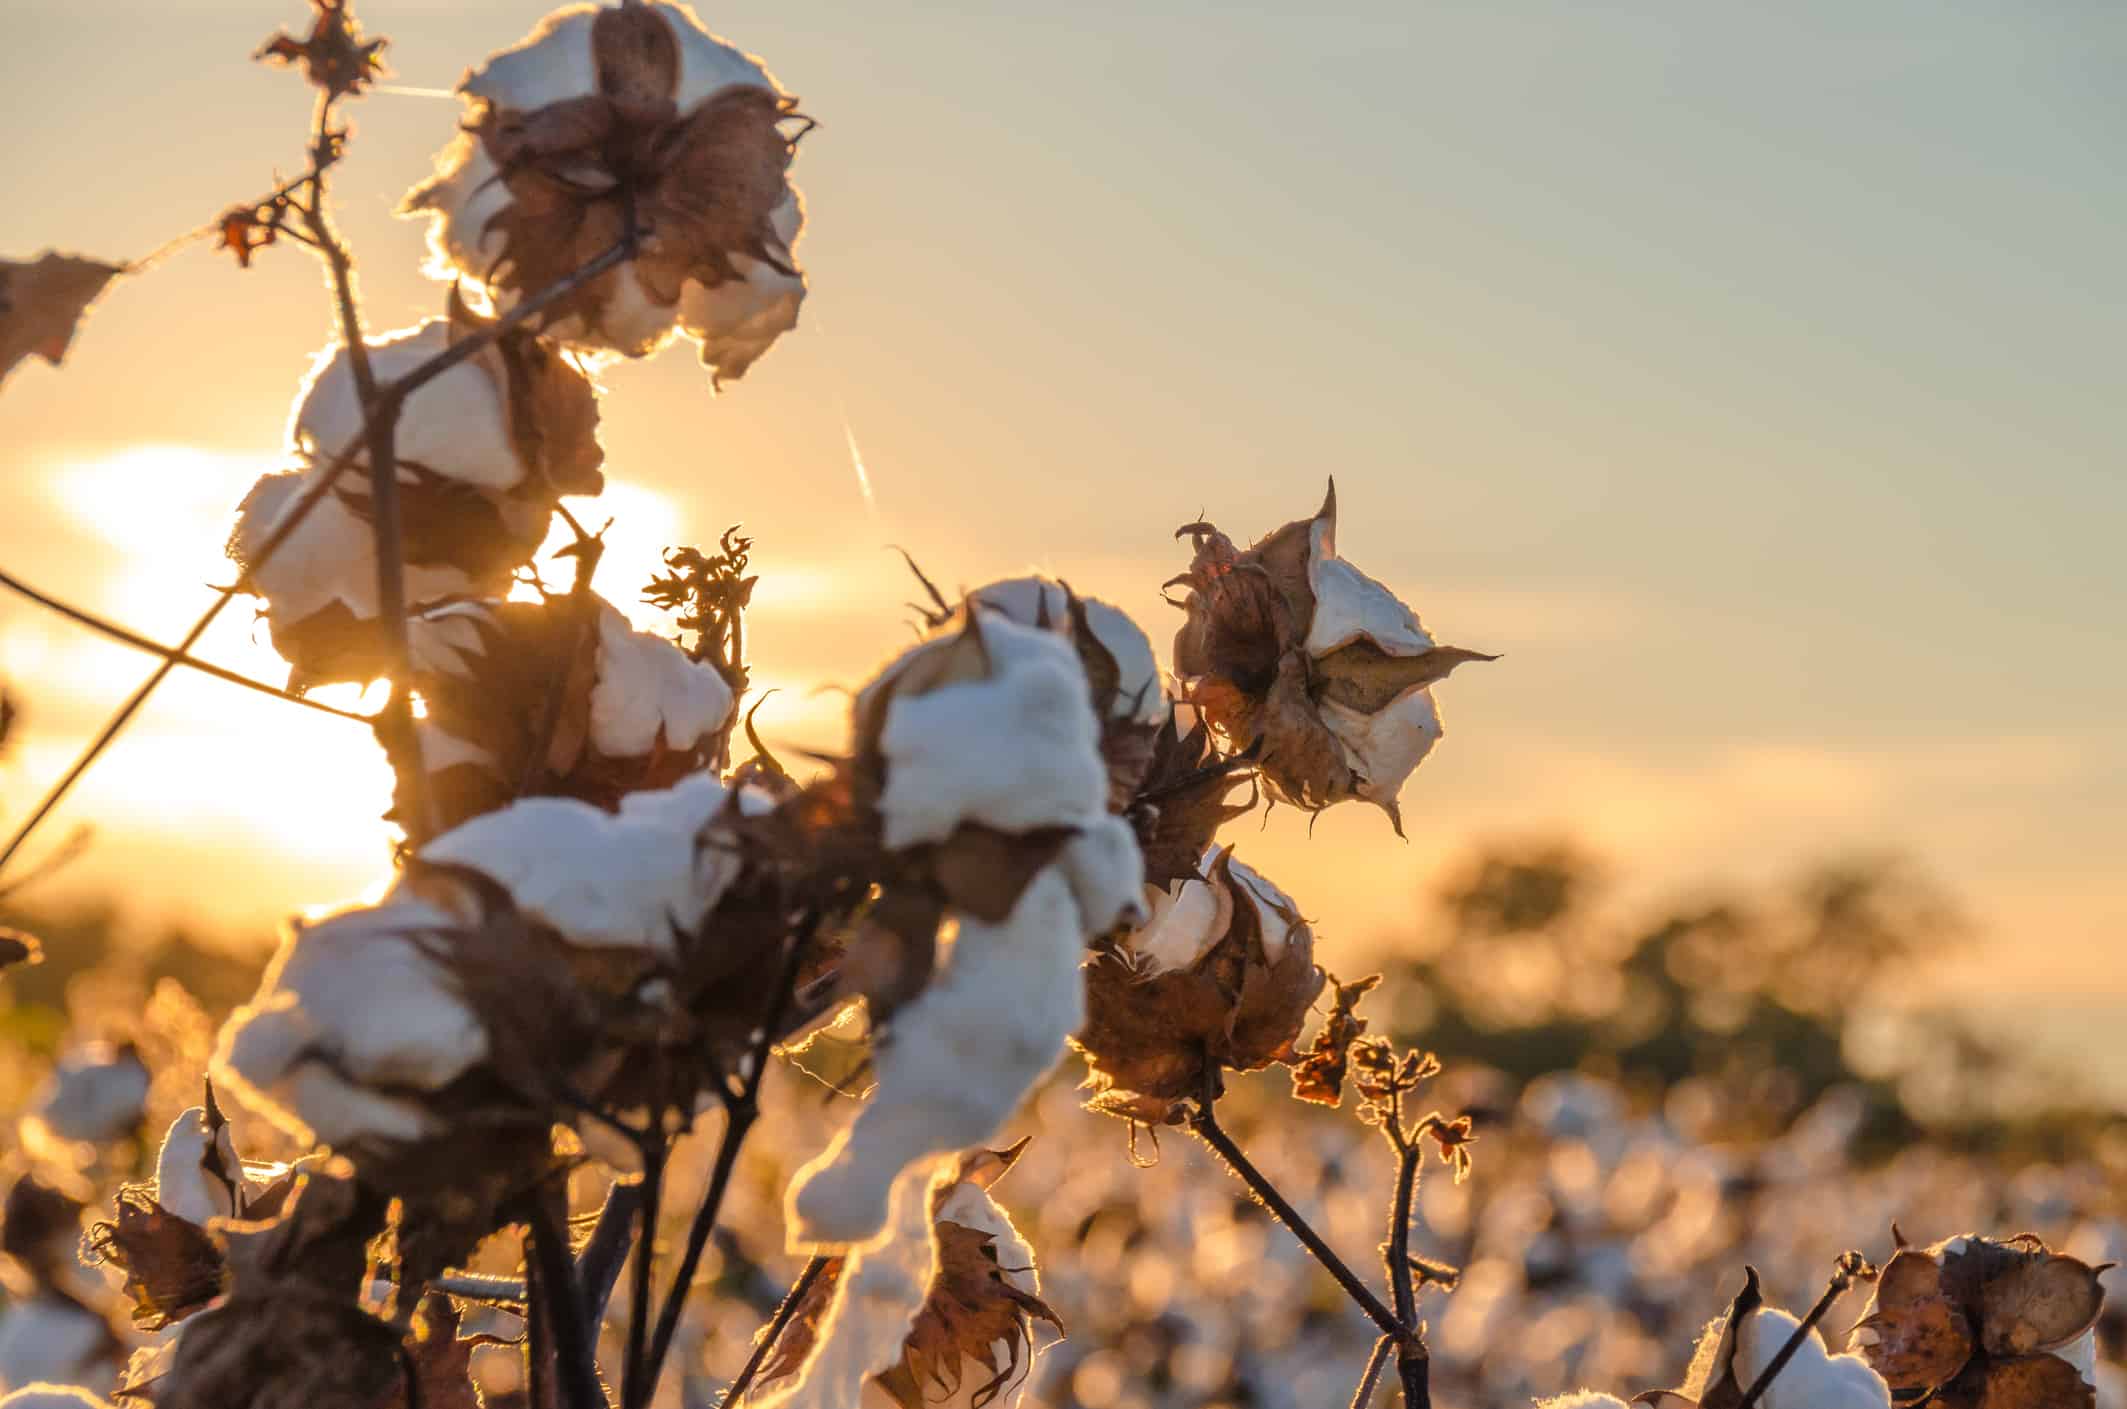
pixel 42 302
pixel 334 56
pixel 1319 1076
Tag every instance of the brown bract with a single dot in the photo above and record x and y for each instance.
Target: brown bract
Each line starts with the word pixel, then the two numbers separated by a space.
pixel 172 1268
pixel 42 302
pixel 1154 1041
pixel 1183 801
pixel 290 1329
pixel 1977 1319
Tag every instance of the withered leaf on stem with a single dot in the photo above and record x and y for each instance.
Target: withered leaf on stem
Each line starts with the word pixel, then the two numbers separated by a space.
pixel 43 301
pixel 1319 1075
pixel 172 1268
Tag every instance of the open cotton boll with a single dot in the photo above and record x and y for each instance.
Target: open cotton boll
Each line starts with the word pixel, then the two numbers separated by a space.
pixel 352 1016
pixel 1016 750
pixel 650 694
pixel 1350 606
pixel 552 64
pixel 320 584
pixel 1385 748
pixel 883 1286
pixel 601 880
pixel 1139 695
pixel 455 426
pixel 1814 1378
pixel 955 1062
pixel 1106 872
pixel 94 1095
pixel 53 1340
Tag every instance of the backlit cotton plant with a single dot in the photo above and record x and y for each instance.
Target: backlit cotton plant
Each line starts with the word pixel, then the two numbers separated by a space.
pixel 508 1094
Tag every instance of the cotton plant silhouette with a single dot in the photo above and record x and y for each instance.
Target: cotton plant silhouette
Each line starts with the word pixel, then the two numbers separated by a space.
pixel 600 931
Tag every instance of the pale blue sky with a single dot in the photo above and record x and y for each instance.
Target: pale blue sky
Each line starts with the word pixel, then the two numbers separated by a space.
pixel 1748 374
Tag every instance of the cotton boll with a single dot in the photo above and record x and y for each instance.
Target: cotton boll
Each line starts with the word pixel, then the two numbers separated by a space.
pixel 1385 748
pixel 53 1340
pixel 603 881
pixel 455 426
pixel 93 1096
pixel 648 693
pixel 956 1061
pixel 1350 606
pixel 1015 751
pixel 352 1016
pixel 883 1286
pixel 1139 696
pixel 1814 1378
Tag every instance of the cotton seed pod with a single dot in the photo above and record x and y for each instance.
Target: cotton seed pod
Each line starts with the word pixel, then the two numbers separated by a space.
pixel 1291 650
pixel 159 1239
pixel 1977 1320
pixel 601 108
pixel 1128 697
pixel 1223 973
pixel 1738 1348
pixel 633 713
pixel 484 453
pixel 971 1342
pixel 290 1330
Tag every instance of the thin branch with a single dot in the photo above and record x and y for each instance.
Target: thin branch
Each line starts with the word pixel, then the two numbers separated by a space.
pixel 598 1266
pixel 1364 1395
pixel 551 1282
pixel 741 1109
pixel 1413 1364
pixel 1204 1124
pixel 141 643
pixel 634 1394
pixel 785 1313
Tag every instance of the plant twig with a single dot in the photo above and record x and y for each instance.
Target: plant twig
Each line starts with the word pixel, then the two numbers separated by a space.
pixel 741 1108
pixel 1204 1124
pixel 118 633
pixel 633 1394
pixel 1413 1364
pixel 785 1313
pixel 1371 1377
pixel 551 1285
pixel 599 1265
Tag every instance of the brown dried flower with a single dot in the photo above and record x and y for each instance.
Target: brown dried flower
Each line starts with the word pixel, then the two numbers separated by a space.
pixel 1290 649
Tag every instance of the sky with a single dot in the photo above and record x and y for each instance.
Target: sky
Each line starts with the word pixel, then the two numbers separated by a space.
pixel 1749 376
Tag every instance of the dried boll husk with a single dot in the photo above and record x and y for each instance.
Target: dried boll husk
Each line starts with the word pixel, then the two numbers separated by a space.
pixel 604 111
pixel 1184 799
pixel 630 712
pixel 1222 976
pixel 1291 651
pixel 1981 1321
pixel 290 1329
